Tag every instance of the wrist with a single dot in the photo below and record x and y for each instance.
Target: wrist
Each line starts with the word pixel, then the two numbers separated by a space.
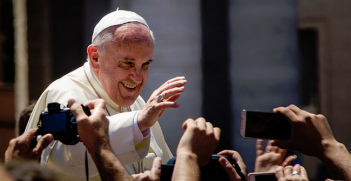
pixel 187 156
pixel 337 159
pixel 98 148
pixel 330 147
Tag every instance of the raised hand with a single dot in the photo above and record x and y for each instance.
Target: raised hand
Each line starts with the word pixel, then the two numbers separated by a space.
pixel 272 157
pixel 161 99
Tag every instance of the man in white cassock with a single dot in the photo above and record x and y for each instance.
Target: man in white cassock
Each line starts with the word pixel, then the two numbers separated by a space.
pixel 116 71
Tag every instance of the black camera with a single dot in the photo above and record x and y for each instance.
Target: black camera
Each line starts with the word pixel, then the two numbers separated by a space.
pixel 213 171
pixel 60 122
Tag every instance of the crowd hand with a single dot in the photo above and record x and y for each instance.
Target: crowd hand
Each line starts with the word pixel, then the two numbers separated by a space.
pixel 21 147
pixel 289 173
pixel 229 168
pixel 309 132
pixel 92 130
pixel 200 139
pixel 161 99
pixel 150 175
pixel 271 158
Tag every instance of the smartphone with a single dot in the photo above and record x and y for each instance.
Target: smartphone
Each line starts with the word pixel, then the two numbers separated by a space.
pixel 262 176
pixel 264 125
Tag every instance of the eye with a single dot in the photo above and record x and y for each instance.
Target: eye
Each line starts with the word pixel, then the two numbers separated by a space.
pixel 126 64
pixel 146 65
pixel 129 63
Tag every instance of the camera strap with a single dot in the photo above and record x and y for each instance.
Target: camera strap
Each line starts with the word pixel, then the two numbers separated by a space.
pixel 86 165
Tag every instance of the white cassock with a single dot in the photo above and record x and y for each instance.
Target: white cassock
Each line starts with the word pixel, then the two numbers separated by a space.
pixel 82 86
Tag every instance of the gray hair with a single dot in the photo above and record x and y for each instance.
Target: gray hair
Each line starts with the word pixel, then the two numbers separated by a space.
pixel 107 36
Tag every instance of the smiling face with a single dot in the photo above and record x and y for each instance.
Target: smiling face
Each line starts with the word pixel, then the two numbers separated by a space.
pixel 124 64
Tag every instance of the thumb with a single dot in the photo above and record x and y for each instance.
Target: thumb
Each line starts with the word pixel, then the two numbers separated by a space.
pixel 43 143
pixel 229 169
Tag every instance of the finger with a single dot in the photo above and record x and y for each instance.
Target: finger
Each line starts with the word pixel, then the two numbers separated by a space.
pixel 288 160
pixel 10 150
pixel 43 143
pixel 174 98
pixel 288 170
pixel 296 168
pixel 171 92
pixel 227 153
pixel 29 135
pixel 217 133
pixel 209 127
pixel 156 168
pixel 303 172
pixel 77 110
pixel 259 147
pixel 279 173
pixel 166 105
pixel 239 160
pixel 175 82
pixel 287 112
pixel 187 123
pixel 70 102
pixel 269 147
pixel 300 112
pixel 201 123
pixel 229 169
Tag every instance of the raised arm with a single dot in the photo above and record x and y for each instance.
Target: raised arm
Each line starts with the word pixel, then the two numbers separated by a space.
pixel 195 148
pixel 312 135
pixel 93 132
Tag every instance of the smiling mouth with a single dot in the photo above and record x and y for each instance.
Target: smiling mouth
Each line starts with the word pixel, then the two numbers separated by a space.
pixel 129 86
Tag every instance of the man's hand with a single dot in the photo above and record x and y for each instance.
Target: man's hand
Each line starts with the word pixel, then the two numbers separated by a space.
pixel 20 147
pixel 195 148
pixel 229 168
pixel 150 175
pixel 200 139
pixel 92 130
pixel 310 133
pixel 291 173
pixel 268 160
pixel 161 99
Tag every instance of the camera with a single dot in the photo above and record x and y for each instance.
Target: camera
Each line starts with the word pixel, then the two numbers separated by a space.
pixel 60 122
pixel 213 171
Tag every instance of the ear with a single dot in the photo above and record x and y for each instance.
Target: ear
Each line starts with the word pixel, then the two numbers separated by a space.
pixel 93 55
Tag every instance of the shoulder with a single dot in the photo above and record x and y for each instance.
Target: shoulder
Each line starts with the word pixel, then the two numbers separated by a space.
pixel 67 87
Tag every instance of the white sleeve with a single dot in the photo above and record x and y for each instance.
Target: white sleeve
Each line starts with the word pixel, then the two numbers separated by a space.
pixel 138 135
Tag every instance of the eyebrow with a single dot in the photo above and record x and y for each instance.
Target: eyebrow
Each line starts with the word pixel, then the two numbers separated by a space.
pixel 132 59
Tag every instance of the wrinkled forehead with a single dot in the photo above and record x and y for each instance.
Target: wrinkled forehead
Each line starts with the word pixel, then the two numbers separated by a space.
pixel 133 33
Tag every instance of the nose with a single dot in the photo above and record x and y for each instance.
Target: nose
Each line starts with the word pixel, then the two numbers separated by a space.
pixel 137 75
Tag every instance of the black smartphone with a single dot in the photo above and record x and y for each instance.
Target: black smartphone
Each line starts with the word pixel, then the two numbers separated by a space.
pixel 262 176
pixel 264 125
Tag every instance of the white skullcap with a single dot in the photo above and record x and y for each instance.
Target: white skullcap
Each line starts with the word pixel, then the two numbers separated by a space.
pixel 117 17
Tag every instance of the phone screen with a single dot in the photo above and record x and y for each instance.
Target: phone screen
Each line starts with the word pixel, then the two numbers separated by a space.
pixel 262 177
pixel 265 125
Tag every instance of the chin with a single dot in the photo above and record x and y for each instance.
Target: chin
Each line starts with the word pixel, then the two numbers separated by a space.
pixel 126 103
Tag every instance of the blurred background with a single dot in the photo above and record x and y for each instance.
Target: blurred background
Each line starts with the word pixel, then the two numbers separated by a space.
pixel 235 54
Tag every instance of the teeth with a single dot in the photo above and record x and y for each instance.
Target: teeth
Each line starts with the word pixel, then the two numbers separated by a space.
pixel 129 86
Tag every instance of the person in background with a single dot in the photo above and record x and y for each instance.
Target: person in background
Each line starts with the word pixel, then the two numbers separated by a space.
pixel 24 117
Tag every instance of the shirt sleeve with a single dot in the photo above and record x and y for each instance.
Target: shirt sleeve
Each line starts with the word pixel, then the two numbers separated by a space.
pixel 138 135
